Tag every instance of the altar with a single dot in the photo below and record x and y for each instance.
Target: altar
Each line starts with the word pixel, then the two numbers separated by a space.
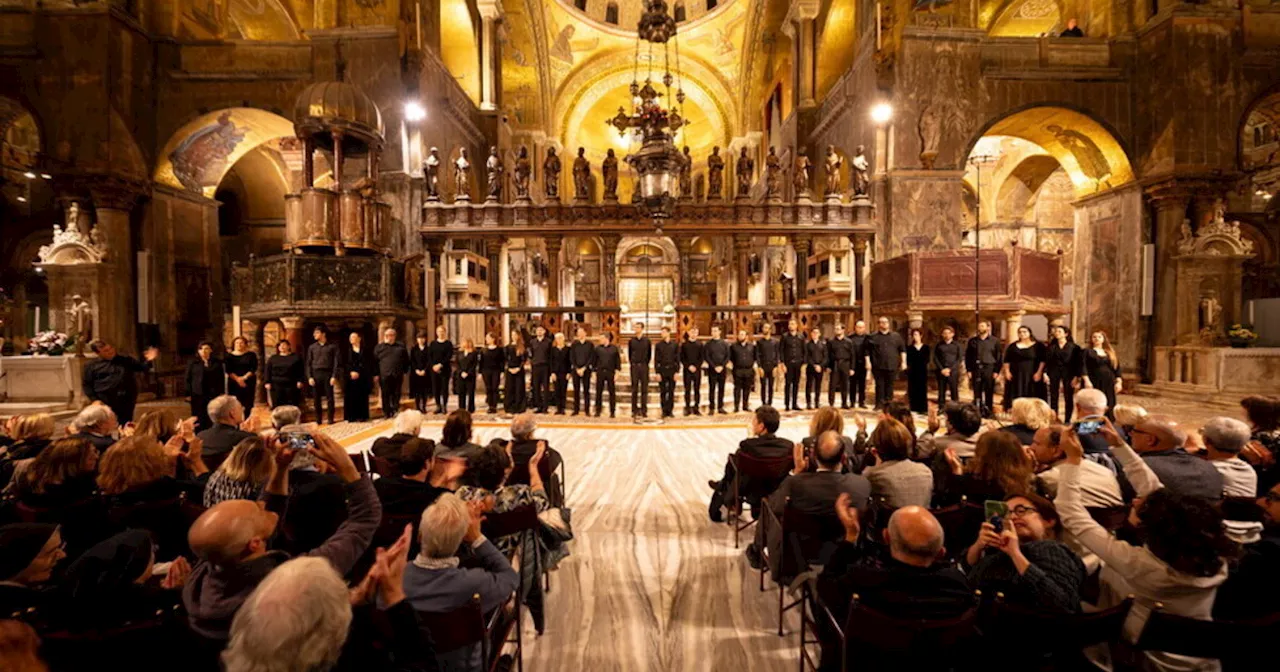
pixel 47 379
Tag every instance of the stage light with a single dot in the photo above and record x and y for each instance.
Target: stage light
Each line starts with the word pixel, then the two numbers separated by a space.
pixel 414 111
pixel 22 199
pixel 29 175
pixel 46 176
pixel 881 113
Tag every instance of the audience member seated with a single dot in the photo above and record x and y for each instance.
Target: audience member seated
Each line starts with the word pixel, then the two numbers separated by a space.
pixel 161 424
pixel 1091 404
pixel 453 451
pixel 524 445
pixel 97 424
pixel 1160 442
pixel 316 490
pixel 231 542
pixel 1127 416
pixel 811 492
pixel 894 477
pixel 29 552
pixel 1029 414
pixel 435 584
pixel 964 424
pixel 30 434
pixel 1025 559
pixel 409 493
pixel 828 419
pixel 899 409
pixel 764 444
pixel 136 478
pixel 302 617
pixel 1263 416
pixel 61 475
pixel 1224 439
pixel 227 432
pixel 243 474
pixel 408 425
pixel 1252 589
pixel 1099 487
pixel 912 583
pixel 1000 469
pixel 20 647
pixel 284 416
pixel 112 584
pixel 1181 563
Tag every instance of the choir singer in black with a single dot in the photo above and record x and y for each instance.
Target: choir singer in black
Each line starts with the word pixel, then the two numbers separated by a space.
pixel 560 369
pixel 420 372
pixel 816 356
pixel 793 346
pixel 582 357
pixel 285 377
pixel 464 382
pixel 946 359
pixel 716 354
pixel 393 363
pixel 767 360
pixel 840 350
pixel 440 357
pixel 982 360
pixel 691 363
pixel 742 354
pixel 888 353
pixel 492 359
pixel 540 365
pixel 607 362
pixel 323 365
pixel 639 354
pixel 666 359
pixel 206 379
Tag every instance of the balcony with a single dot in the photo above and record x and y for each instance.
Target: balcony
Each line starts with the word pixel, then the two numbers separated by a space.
pixel 1006 280
pixel 1049 58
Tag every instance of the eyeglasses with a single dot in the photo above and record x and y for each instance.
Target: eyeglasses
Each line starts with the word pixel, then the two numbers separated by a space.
pixel 1020 511
pixel 1271 496
pixel 1135 430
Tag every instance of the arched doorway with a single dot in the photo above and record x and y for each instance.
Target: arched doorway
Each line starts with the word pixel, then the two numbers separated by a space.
pixel 27 212
pixel 1258 210
pixel 648 272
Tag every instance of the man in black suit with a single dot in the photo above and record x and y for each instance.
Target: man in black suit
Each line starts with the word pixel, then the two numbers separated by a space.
pixel 888 354
pixel 582 355
pixel 393 363
pixel 813 492
pixel 840 352
pixel 228 416
pixel 816 356
pixel 408 493
pixel 691 364
pixel 206 379
pixel 666 359
pixel 858 377
pixel 110 378
pixel 639 353
pixel 606 364
pixel 440 359
pixel 792 345
pixel 946 358
pixel 716 356
pixel 767 359
pixel 742 354
pixel 763 444
pixel 982 360
pixel 323 367
pixel 540 362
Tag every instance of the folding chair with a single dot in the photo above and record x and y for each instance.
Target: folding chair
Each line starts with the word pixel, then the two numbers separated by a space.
pixel 805 538
pixel 878 641
pixel 763 477
pixel 1058 640
pixel 522 521
pixel 961 523
pixel 463 627
pixel 1238 644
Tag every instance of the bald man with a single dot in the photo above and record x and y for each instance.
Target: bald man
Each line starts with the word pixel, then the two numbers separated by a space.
pixel 232 541
pixel 1160 441
pixel 915 582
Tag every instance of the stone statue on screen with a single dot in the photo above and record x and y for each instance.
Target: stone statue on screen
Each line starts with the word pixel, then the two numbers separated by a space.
pixel 462 176
pixel 581 176
pixel 745 170
pixel 431 173
pixel 715 175
pixel 79 317
pixel 803 169
pixel 686 175
pixel 495 169
pixel 524 169
pixel 772 175
pixel 861 169
pixel 609 169
pixel 551 174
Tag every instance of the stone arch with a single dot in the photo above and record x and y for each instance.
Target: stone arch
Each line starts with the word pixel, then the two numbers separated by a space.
pixel 460 45
pixel 1023 18
pixel 262 20
pixel 199 154
pixel 1017 193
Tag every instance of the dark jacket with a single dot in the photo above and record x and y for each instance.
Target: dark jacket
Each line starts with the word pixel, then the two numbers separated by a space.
pixel 743 356
pixel 1185 474
pixel 391 640
pixel 840 351
pixel 469 363
pixel 893 588
pixel 767 352
pixel 393 359
pixel 100 441
pixel 1252 587
pixel 816 353
pixel 607 359
pixel 715 353
pixel 206 381
pixel 793 348
pixel 691 355
pixel 666 358
pixel 639 351
pixel 540 351
pixel 420 361
pixel 885 350
pixel 108 380
pixel 816 491
pixel 582 354
pixel 324 357
pixel 220 439
pixel 1051 584
pixel 402 496
pixel 213 594
pixel 388 447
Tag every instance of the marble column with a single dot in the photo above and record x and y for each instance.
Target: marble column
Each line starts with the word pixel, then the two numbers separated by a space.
pixel 800 26
pixel 915 319
pixel 742 258
pixel 802 246
pixel 493 250
pixel 609 268
pixel 684 247
pixel 113 200
pixel 490 54
pixel 434 294
pixel 1170 201
pixel 553 245
pixel 856 274
pixel 293 325
pixel 1012 320
pixel 309 162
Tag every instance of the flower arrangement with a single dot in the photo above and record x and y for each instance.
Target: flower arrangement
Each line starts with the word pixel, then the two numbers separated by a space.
pixel 1241 335
pixel 50 343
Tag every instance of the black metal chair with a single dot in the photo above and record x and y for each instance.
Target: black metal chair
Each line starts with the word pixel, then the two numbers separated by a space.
pixel 961 522
pixel 1057 640
pixel 521 522
pixel 805 538
pixel 1239 645
pixel 754 479
pixel 463 627
pixel 878 641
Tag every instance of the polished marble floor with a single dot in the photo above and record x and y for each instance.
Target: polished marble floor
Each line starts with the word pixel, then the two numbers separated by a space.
pixel 652 583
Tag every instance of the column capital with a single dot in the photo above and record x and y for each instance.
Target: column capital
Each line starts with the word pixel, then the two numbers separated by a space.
pixel 1176 190
pixel 860 242
pixel 611 241
pixel 490 10
pixel 684 242
pixel 800 10
pixel 802 242
pixel 293 321
pixel 493 246
pixel 114 193
pixel 436 247
pixel 741 242
pixel 553 243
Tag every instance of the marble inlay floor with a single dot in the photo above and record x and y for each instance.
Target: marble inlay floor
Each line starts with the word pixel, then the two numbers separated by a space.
pixel 652 583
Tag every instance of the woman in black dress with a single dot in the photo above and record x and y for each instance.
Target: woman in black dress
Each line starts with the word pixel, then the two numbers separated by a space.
pixel 419 369
pixel 1100 369
pixel 464 379
pixel 513 397
pixel 917 372
pixel 1062 364
pixel 1023 367
pixel 492 359
pixel 242 373
pixel 285 377
pixel 360 373
pixel 560 368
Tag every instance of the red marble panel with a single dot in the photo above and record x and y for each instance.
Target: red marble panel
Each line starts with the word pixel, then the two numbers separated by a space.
pixel 1041 277
pixel 891 280
pixel 953 275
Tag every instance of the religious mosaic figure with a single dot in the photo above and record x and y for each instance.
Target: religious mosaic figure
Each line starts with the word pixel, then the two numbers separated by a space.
pixel 746 168
pixel 801 177
pixel 772 175
pixel 431 171
pixel 930 129
pixel 715 174
pixel 686 175
pixel 610 170
pixel 462 176
pixel 1088 155
pixel 551 174
pixel 495 169
pixel 861 181
pixel 581 176
pixel 524 169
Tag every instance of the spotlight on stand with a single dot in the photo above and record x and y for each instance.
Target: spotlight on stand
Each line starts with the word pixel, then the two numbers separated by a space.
pixel 414 111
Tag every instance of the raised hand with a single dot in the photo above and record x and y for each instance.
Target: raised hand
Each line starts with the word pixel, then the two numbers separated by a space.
pixel 848 517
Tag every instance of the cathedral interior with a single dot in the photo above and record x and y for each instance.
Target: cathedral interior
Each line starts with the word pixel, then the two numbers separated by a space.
pixel 182 170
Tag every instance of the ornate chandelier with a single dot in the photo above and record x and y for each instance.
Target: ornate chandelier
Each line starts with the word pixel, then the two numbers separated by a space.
pixel 657 162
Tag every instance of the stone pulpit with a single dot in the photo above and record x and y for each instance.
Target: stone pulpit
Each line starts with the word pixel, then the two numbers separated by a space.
pixel 1208 270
